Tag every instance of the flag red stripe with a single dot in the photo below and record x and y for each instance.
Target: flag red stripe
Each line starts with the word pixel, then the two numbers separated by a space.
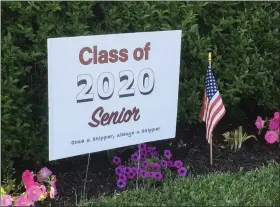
pixel 212 107
pixel 220 117
pixel 217 119
pixel 210 122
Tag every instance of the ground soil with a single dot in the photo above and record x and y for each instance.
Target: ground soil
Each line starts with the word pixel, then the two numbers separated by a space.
pixel 194 150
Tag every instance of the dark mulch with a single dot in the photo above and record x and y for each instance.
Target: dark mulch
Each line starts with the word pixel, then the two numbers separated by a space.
pixel 194 151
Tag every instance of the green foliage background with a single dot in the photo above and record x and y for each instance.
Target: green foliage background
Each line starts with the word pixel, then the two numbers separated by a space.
pixel 243 36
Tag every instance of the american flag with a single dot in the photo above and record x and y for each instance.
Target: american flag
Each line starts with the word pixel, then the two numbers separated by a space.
pixel 212 109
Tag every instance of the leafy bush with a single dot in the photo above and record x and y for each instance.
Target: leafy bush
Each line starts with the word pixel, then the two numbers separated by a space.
pixel 244 38
pixel 25 29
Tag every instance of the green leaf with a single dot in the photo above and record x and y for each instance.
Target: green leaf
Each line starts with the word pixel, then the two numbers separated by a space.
pixel 145 16
pixel 247 60
pixel 20 26
pixel 24 87
pixel 26 125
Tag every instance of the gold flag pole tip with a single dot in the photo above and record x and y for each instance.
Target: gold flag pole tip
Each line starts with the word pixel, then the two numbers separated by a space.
pixel 209 59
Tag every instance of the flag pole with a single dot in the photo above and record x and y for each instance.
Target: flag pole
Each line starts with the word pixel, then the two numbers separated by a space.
pixel 211 145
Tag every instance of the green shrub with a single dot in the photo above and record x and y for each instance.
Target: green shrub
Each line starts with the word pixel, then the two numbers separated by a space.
pixel 26 27
pixel 244 38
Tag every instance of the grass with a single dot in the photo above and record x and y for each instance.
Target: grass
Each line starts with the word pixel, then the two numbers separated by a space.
pixel 254 188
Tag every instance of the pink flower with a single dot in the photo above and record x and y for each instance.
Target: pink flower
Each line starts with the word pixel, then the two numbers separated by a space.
pixel 27 178
pixel 136 169
pixel 53 190
pixel 259 123
pixel 44 174
pixel 158 176
pixel 145 164
pixel 178 164
pixel 167 154
pixel 131 175
pixel 34 192
pixel 271 137
pixel 117 160
pixel 277 115
pixel 52 193
pixel 43 188
pixel 144 174
pixel 155 166
pixel 6 200
pixel 31 184
pixel 134 157
pixel 274 124
pixel 182 172
pixel 170 163
pixel 163 163
pixel 23 201
pixel 142 147
pixel 122 177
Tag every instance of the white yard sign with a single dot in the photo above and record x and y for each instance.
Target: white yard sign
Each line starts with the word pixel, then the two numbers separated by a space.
pixel 111 91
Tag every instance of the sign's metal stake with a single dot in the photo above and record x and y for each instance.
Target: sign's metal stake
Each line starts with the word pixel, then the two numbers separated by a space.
pixel 86 176
pixel 138 167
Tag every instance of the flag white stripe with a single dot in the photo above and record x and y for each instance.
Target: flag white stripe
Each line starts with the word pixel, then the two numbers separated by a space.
pixel 214 97
pixel 209 105
pixel 220 102
pixel 217 117
pixel 213 111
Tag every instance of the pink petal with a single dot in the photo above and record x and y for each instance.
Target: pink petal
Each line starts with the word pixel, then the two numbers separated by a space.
pixel 52 193
pixel 271 137
pixel 44 174
pixel 34 193
pixel 6 200
pixel 27 178
pixel 259 123
pixel 43 188
pixel 277 115
pixel 274 124
pixel 23 201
